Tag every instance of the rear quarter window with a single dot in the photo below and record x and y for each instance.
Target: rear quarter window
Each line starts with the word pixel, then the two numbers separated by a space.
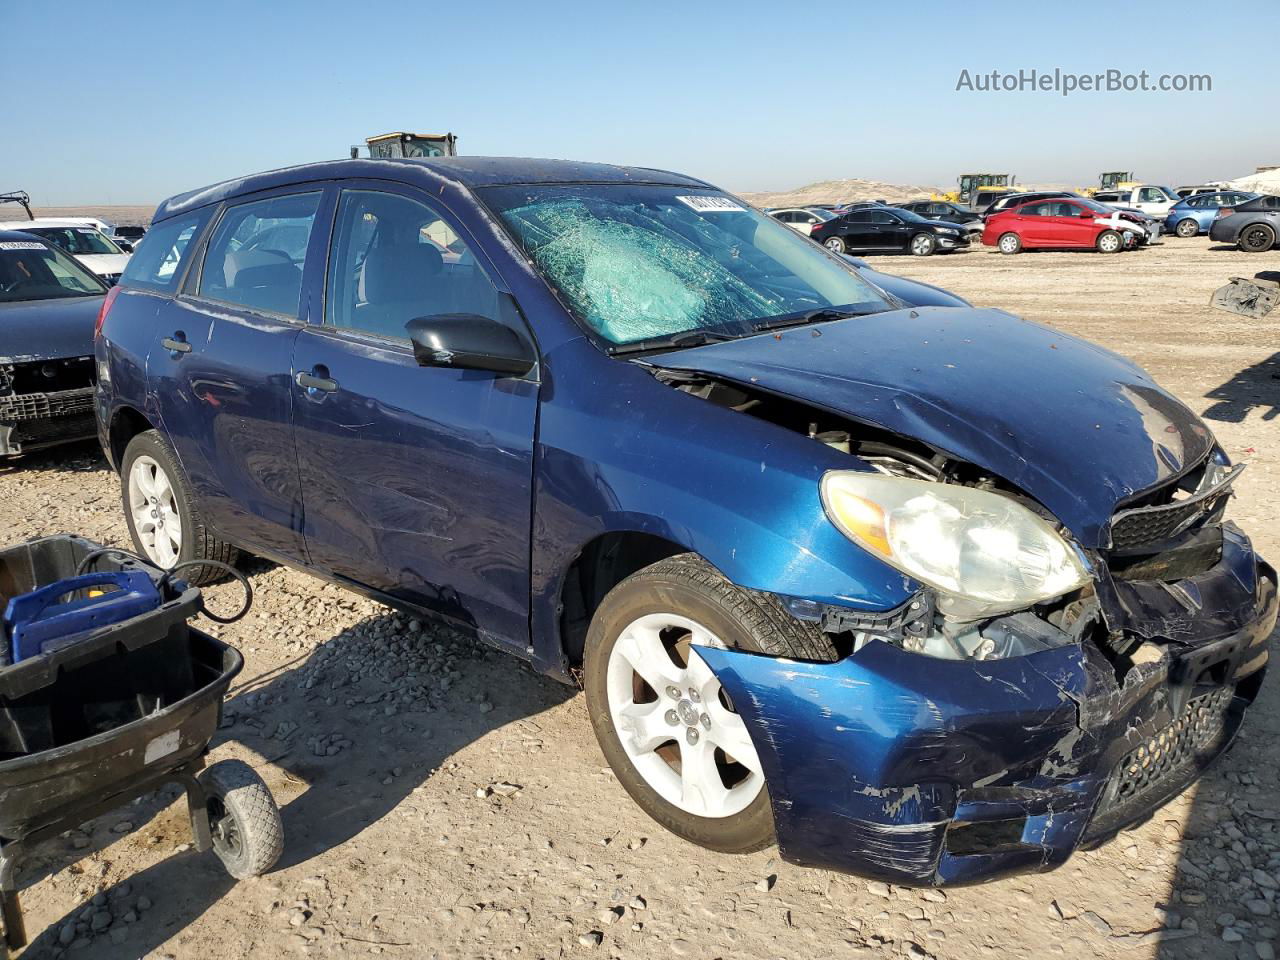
pixel 160 256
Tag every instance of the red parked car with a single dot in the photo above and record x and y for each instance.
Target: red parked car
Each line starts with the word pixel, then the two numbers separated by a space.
pixel 1060 223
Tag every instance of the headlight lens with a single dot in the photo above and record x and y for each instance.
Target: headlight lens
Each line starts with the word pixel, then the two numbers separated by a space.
pixel 984 553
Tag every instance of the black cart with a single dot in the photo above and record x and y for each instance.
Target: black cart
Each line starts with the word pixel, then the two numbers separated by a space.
pixel 115 715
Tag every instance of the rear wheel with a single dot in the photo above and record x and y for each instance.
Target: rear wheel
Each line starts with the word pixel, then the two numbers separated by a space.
pixel 1187 228
pixel 1257 238
pixel 835 245
pixel 162 517
pixel 1109 241
pixel 923 244
pixel 1009 243
pixel 665 724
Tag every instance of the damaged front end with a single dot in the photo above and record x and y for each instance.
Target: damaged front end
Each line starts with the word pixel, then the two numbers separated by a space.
pixel 957 741
pixel 943 751
pixel 45 402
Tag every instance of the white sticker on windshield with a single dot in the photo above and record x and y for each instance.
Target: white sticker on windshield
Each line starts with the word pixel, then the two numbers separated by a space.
pixel 712 204
pixel 20 245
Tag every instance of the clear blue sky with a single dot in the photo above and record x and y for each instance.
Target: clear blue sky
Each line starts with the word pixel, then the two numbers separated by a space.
pixel 130 102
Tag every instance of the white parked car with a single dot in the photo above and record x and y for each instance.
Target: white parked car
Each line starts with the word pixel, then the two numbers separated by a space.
pixel 1151 199
pixel 801 218
pixel 85 242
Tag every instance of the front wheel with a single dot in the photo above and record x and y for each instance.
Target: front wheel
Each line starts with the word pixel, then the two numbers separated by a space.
pixel 1109 241
pixel 1009 243
pixel 923 245
pixel 1257 238
pixel 835 245
pixel 666 726
pixel 1187 228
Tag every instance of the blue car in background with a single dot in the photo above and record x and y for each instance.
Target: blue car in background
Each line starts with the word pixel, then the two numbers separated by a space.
pixel 1195 215
pixel 922 592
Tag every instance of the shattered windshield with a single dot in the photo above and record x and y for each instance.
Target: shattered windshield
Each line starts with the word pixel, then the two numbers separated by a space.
pixel 29 270
pixel 636 262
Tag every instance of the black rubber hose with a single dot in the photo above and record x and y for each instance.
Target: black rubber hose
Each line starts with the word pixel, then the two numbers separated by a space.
pixel 93 555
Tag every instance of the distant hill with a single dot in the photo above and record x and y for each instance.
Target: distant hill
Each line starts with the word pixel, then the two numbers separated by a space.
pixel 840 191
pixel 131 215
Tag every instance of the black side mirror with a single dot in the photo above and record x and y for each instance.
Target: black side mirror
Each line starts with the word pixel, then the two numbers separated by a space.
pixel 468 341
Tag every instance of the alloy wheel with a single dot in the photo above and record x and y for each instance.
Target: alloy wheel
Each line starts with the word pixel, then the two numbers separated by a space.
pixel 154 508
pixel 1187 228
pixel 674 720
pixel 921 245
pixel 1257 239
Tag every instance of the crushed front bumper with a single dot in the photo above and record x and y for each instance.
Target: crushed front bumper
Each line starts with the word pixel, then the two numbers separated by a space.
pixel 32 421
pixel 926 771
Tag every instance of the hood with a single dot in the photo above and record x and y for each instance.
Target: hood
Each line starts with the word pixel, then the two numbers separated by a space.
pixel 47 329
pixel 1075 426
pixel 104 263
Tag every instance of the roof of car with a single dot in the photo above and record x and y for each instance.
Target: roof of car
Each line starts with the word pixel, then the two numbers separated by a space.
pixel 436 171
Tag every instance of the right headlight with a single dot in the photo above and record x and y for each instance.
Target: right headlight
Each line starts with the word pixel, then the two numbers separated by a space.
pixel 983 552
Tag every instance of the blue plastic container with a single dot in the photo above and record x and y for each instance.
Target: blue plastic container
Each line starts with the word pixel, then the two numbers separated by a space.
pixel 43 621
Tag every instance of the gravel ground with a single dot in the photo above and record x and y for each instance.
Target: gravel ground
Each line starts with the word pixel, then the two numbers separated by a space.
pixel 440 799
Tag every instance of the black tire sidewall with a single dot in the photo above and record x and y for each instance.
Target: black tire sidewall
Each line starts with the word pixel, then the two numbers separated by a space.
pixel 150 443
pixel 745 831
pixel 1261 229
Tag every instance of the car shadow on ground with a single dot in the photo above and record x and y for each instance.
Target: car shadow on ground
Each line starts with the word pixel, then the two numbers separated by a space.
pixel 379 708
pixel 1256 387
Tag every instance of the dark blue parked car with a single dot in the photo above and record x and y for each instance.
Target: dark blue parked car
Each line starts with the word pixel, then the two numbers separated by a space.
pixel 929 593
pixel 48 304
pixel 1195 215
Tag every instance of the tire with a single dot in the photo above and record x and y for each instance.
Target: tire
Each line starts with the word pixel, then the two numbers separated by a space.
pixel 1109 241
pixel 1187 228
pixel 1009 243
pixel 835 245
pixel 149 452
pixel 923 245
pixel 248 835
pixel 1256 238
pixel 721 805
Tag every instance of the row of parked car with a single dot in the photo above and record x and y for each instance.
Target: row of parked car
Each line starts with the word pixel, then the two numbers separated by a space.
pixel 103 247
pixel 1061 219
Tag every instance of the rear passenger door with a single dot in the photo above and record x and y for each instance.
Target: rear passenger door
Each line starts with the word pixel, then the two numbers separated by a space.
pixel 417 481
pixel 221 368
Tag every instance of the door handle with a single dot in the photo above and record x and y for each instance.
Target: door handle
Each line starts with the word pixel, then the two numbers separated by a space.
pixel 175 346
pixel 310 381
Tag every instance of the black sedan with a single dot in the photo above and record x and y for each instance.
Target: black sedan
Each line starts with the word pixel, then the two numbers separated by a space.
pixel 945 211
pixel 873 229
pixel 1253 226
pixel 48 304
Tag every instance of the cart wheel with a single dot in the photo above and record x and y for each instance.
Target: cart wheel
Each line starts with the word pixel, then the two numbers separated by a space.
pixel 244 820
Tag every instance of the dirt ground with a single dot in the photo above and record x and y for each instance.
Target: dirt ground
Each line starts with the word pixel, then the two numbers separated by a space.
pixel 382 737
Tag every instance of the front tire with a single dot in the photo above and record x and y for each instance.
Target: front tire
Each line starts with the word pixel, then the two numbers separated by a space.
pixel 836 245
pixel 163 518
pixel 1187 228
pixel 923 245
pixel 1257 238
pixel 1009 243
pixel 665 725
pixel 1109 241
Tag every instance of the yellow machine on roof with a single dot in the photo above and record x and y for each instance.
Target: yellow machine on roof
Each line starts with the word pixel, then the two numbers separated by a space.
pixel 401 144
pixel 978 190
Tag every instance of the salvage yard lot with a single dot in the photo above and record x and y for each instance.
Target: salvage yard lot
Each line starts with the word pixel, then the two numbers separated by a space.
pixel 393 748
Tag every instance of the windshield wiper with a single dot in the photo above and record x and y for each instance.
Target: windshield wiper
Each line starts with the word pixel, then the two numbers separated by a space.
pixel 689 338
pixel 821 315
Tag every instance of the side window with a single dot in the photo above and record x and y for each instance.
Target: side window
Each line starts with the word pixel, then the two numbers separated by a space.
pixel 857 218
pixel 257 253
pixel 159 254
pixel 1032 210
pixel 1151 195
pixel 879 216
pixel 395 259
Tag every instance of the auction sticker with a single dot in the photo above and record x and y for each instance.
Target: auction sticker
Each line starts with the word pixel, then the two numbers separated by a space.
pixel 712 204
pixel 20 245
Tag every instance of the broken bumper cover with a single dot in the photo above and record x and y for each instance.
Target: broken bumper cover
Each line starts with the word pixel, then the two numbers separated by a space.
pixel 32 421
pixel 926 771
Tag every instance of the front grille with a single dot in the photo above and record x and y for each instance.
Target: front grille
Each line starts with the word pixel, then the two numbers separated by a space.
pixel 1164 758
pixel 34 406
pixel 1143 526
